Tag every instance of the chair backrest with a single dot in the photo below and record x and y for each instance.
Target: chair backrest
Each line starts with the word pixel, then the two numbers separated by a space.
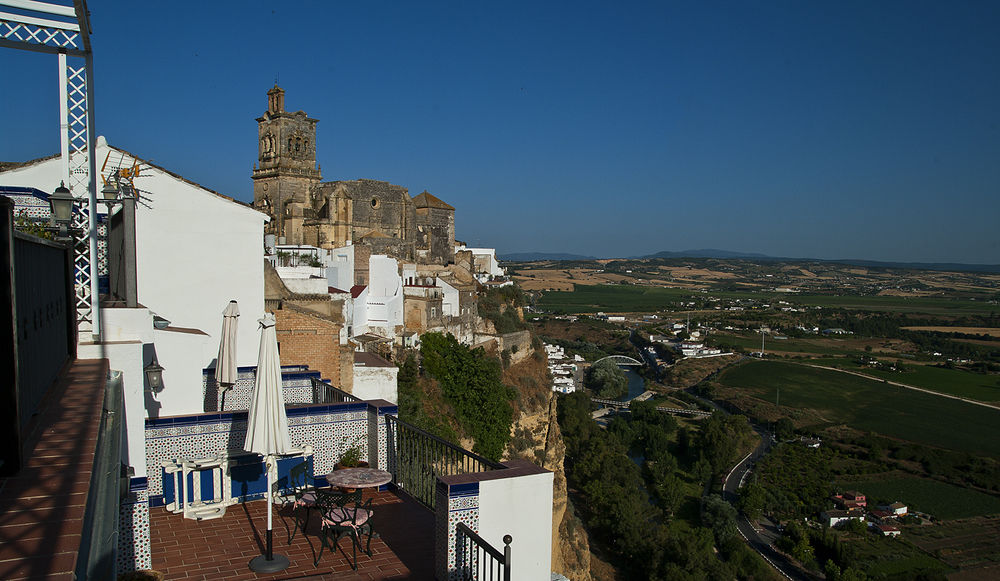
pixel 347 504
pixel 329 499
pixel 298 476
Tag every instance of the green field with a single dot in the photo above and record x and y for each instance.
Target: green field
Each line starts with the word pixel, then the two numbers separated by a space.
pixel 870 405
pixel 613 298
pixel 957 382
pixel 632 299
pixel 944 501
pixel 818 345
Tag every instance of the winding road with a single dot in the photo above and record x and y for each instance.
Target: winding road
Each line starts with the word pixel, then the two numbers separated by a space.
pixel 760 540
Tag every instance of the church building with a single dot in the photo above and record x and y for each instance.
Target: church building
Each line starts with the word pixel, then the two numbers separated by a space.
pixel 374 215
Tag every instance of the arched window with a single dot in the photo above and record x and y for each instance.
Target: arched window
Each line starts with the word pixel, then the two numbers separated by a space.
pixel 305 145
pixel 298 143
pixel 289 145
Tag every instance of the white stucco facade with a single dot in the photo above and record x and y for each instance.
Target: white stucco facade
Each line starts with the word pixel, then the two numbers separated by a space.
pixel 340 269
pixel 449 303
pixel 374 378
pixel 195 251
pixel 520 506
pixel 484 260
pixel 385 295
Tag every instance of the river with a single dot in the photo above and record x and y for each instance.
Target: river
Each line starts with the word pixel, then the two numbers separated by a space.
pixel 636 384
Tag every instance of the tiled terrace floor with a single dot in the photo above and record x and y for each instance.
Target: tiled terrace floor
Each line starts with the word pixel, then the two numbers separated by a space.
pixel 222 548
pixel 42 506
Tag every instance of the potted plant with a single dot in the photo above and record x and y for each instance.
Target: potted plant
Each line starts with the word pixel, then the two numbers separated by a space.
pixel 351 458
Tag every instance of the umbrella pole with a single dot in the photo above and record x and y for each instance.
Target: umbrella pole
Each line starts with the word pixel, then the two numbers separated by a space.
pixel 269 562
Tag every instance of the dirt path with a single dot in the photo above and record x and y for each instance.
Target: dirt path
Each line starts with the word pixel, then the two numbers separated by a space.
pixel 930 391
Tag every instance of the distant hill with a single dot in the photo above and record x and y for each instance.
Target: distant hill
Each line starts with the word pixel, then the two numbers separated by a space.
pixel 705 253
pixel 729 254
pixel 530 256
pixel 714 253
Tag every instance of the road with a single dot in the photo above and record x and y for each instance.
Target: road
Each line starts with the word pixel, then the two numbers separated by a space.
pixel 760 540
pixel 897 384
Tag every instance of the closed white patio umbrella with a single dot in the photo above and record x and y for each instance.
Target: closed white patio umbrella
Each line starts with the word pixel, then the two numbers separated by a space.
pixel 225 364
pixel 267 428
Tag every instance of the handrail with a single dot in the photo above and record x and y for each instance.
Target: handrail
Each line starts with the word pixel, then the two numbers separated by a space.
pixel 99 543
pixel 416 458
pixel 325 393
pixel 468 556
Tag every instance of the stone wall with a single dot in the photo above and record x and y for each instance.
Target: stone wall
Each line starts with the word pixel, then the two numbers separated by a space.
pixel 310 340
pixel 518 344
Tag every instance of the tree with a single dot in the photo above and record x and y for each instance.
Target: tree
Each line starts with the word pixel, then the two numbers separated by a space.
pixel 784 429
pixel 470 381
pixel 607 380
pixel 720 516
pixel 751 500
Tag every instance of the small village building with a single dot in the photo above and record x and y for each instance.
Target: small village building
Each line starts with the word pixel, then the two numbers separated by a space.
pixel 832 518
pixel 374 377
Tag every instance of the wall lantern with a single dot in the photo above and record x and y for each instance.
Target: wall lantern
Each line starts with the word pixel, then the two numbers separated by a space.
pixel 154 375
pixel 109 192
pixel 61 205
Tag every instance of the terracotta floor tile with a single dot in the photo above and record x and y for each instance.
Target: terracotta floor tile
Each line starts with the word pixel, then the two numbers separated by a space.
pixel 222 548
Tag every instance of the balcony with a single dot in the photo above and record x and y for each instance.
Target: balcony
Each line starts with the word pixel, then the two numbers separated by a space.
pixel 435 486
pixel 221 548
pixel 85 461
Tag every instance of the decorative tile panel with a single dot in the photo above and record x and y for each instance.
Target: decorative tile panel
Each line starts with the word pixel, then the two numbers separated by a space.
pixel 133 526
pixel 296 384
pixel 329 428
pixel 455 503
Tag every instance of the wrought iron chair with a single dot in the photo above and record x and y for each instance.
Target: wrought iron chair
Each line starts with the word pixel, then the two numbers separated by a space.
pixel 344 513
pixel 300 496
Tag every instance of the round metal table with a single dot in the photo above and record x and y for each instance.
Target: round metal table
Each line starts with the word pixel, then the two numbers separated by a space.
pixel 359 477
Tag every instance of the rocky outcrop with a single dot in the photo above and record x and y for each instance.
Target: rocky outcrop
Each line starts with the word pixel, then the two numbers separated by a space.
pixel 536 437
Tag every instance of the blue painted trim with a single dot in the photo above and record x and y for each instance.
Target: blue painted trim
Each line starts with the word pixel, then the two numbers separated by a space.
pixel 390 410
pixel 137 483
pixel 237 416
pixel 467 489
pixel 309 410
pixel 24 191
pixel 194 420
pixel 156 500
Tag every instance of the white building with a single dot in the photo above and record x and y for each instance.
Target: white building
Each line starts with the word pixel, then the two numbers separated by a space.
pixel 374 377
pixel 484 262
pixel 195 251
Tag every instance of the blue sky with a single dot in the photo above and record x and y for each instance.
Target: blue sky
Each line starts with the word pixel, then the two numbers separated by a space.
pixel 805 129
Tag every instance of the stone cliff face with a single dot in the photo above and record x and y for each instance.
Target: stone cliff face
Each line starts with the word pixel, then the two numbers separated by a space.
pixel 536 437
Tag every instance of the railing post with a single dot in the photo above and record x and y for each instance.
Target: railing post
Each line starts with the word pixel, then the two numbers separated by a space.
pixel 507 539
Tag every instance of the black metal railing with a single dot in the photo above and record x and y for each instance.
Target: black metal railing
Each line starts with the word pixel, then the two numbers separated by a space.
pixel 416 459
pixel 478 560
pixel 326 393
pixel 97 558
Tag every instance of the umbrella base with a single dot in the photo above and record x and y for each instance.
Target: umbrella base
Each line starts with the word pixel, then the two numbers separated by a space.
pixel 260 564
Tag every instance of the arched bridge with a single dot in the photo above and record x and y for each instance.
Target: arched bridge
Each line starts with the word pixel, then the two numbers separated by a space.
pixel 622 405
pixel 619 360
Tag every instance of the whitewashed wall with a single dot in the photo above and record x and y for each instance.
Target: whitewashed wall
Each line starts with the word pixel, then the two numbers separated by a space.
pixel 521 507
pixel 360 312
pixel 340 271
pixel 449 303
pixel 375 383
pixel 195 251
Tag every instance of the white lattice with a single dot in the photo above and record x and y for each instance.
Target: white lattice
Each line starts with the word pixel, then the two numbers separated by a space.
pixel 43 35
pixel 79 184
